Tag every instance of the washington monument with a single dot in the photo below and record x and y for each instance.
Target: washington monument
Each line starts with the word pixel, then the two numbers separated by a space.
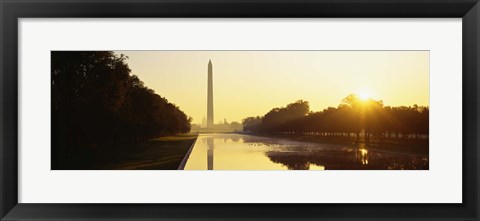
pixel 210 96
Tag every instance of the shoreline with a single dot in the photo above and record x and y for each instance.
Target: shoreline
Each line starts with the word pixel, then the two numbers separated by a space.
pixel 187 155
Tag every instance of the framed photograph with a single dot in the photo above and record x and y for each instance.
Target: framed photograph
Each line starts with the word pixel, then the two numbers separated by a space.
pixel 239 110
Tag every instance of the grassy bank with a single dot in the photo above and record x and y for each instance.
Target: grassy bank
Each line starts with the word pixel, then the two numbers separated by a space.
pixel 413 147
pixel 162 153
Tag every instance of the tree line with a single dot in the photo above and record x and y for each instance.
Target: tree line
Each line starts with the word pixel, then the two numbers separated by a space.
pixel 354 117
pixel 96 100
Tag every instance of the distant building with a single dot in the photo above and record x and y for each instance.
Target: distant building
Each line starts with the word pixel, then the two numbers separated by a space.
pixel 204 122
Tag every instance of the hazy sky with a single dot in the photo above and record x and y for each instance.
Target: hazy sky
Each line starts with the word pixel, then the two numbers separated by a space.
pixel 250 83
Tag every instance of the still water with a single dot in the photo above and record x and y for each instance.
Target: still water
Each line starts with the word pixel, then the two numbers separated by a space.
pixel 248 152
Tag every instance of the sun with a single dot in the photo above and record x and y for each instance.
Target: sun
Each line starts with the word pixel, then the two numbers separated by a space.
pixel 364 96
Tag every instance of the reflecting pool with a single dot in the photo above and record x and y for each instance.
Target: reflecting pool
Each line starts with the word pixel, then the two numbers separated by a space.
pixel 248 152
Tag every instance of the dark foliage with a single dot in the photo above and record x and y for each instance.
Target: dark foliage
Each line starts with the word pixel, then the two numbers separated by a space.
pixel 96 101
pixel 351 118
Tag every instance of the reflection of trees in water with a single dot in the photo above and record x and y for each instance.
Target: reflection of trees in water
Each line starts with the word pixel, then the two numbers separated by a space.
pixel 291 162
pixel 354 160
pixel 297 155
pixel 300 155
pixel 235 139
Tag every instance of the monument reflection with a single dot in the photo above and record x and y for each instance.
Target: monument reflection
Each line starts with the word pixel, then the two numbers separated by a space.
pixel 210 149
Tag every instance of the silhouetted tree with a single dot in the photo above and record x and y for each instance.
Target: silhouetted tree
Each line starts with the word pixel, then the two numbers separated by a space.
pixel 349 119
pixel 252 124
pixel 277 117
pixel 95 100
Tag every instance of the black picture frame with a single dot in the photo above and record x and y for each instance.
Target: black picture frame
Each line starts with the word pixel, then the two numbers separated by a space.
pixel 12 10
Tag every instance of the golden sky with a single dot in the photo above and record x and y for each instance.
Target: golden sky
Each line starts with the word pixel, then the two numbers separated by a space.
pixel 250 83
